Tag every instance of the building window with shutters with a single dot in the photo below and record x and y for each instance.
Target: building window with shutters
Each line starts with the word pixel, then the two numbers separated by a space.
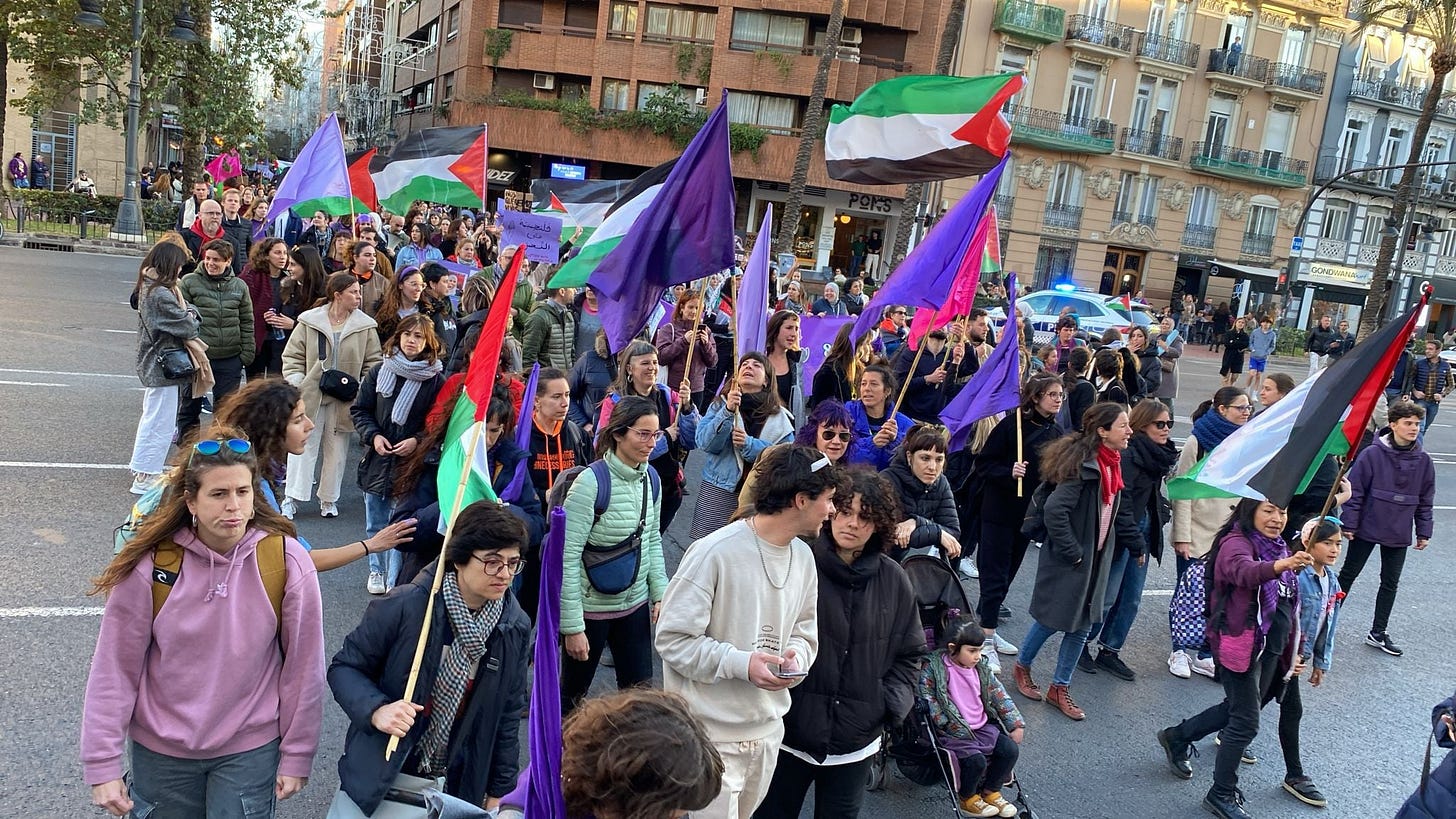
pixel 616 95
pixel 682 24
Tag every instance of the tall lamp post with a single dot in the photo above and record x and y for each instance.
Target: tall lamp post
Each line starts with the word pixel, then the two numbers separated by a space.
pixel 128 225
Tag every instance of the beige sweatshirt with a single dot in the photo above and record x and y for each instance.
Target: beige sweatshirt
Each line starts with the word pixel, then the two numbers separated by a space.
pixel 719 609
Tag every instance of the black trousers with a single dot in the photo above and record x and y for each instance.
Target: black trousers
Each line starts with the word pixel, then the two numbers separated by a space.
pixel 1392 562
pixel 228 373
pixel 838 789
pixel 631 640
pixel 986 774
pixel 668 470
pixel 1003 548
pixel 269 359
pixel 1291 711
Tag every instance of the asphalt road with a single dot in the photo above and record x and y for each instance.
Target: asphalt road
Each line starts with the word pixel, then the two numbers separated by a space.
pixel 68 407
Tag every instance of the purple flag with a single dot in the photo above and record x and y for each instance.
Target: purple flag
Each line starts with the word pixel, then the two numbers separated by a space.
pixel 684 234
pixel 319 173
pixel 512 492
pixel 996 387
pixel 924 279
pixel 750 308
pixel 816 336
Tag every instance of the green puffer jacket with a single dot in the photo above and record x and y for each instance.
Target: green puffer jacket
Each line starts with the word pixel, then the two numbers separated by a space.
pixel 616 524
pixel 550 336
pixel 227 314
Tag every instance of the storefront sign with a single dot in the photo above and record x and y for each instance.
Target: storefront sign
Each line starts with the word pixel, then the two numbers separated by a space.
pixel 1321 273
pixel 873 204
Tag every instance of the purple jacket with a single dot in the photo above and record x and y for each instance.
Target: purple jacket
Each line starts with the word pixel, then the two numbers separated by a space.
pixel 1239 574
pixel 18 170
pixel 1394 491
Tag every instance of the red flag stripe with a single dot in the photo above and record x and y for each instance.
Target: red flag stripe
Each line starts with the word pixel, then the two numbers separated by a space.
pixel 361 183
pixel 1362 407
pixel 485 360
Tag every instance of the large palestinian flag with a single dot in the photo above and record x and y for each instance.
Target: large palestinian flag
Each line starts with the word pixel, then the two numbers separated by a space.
pixel 443 165
pixel 619 219
pixel 578 203
pixel 1274 456
pixel 920 128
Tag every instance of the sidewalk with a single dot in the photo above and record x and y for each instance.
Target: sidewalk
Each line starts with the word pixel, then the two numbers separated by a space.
pixel 65 244
pixel 1290 363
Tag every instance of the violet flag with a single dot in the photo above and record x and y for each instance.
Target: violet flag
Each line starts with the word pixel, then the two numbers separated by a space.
pixel 320 175
pixel 996 387
pixel 512 492
pixel 924 279
pixel 686 233
pixel 750 309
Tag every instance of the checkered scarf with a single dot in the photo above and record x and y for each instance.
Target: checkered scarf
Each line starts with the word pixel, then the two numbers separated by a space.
pixel 472 629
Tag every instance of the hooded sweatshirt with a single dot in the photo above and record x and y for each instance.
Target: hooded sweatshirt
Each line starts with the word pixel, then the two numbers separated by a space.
pixel 207 677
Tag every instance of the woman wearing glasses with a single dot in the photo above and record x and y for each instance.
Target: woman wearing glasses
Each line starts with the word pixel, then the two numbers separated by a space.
pixel 210 654
pixel 619 615
pixel 464 721
pixel 1195 522
pixel 737 429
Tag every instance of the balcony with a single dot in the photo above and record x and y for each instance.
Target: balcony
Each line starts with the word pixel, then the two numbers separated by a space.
pixel 1295 81
pixel 1258 245
pixel 1330 250
pixel 1387 93
pixel 1056 131
pixel 1094 35
pixel 1367 178
pixel 1237 69
pixel 1167 51
pixel 1032 22
pixel 1004 205
pixel 1199 237
pixel 1062 217
pixel 1267 167
pixel 1151 143
pixel 1120 217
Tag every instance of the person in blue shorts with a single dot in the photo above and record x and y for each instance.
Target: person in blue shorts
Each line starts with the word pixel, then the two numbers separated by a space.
pixel 1261 346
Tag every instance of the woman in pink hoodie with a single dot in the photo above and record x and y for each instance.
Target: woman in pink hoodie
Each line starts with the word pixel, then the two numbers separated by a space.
pixel 212 661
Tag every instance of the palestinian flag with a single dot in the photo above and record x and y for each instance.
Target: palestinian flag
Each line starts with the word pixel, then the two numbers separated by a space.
pixel 577 203
pixel 921 128
pixel 1274 456
pixel 620 217
pixel 361 183
pixel 442 165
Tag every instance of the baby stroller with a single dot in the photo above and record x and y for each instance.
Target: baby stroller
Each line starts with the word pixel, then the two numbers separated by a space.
pixel 913 746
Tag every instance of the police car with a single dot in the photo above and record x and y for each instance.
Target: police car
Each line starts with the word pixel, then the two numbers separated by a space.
pixel 1095 312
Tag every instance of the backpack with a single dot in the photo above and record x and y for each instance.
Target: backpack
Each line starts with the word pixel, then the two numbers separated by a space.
pixel 1033 526
pixel 557 494
pixel 167 567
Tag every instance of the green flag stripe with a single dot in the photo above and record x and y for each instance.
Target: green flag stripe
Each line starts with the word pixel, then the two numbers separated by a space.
pixel 923 94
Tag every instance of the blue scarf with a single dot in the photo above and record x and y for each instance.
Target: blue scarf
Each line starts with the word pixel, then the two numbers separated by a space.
pixel 1211 428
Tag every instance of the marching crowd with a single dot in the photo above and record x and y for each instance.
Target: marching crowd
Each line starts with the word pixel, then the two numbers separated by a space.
pixel 793 649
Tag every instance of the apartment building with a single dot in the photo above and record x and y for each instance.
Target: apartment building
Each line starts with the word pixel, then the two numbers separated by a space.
pixel 1376 96
pixel 473 61
pixel 1161 146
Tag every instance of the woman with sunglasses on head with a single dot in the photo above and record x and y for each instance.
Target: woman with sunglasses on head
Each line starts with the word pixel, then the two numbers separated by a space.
pixel 210 654
pixel 1195 522
pixel 928 518
pixel 389 414
pixel 877 430
pixel 676 417
pixel 165 323
pixel 739 426
pixel 1146 465
pixel 265 274
pixel 339 338
pixel 620 615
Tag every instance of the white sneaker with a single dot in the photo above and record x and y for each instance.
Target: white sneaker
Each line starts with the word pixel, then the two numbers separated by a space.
pixel 1003 646
pixel 376 583
pixel 289 508
pixel 328 509
pixel 993 662
pixel 142 482
pixel 968 569
pixel 1203 665
pixel 1178 664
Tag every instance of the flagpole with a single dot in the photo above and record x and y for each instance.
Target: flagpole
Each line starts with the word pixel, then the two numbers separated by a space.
pixel 414 674
pixel 904 388
pixel 693 339
pixel 1018 449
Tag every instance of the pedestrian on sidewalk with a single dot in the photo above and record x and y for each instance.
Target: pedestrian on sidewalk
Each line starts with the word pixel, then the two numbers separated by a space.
pixel 1261 346
pixel 1317 345
pixel 1235 344
pixel 1431 379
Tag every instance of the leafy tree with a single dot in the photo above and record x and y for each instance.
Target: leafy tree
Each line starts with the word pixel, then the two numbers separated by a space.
pixel 811 132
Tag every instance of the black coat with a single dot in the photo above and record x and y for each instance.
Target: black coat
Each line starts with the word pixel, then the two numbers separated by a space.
pixel 923 400
pixel 1081 394
pixel 371 412
pixel 932 506
pixel 1071 575
pixel 371 668
pixel 1145 466
pixel 870 648
pixel 998 501
pixel 830 382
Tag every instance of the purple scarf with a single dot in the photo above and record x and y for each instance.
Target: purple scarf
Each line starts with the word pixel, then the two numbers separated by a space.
pixel 1271 549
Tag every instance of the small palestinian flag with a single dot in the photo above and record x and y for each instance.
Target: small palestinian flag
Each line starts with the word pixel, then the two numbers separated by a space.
pixel 578 203
pixel 1274 456
pixel 921 128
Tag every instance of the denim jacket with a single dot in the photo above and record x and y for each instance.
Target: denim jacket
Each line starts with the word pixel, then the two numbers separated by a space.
pixel 1312 601
pixel 726 462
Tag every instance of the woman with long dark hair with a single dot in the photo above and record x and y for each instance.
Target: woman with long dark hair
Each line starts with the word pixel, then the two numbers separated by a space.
pixel 739 426
pixel 786 360
pixel 1085 522
pixel 676 417
pixel 265 274
pixel 1253 605
pixel 304 287
pixel 400 301
pixel 164 323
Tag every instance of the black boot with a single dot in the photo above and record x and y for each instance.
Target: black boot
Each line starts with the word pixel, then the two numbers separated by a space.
pixel 1226 807
pixel 1180 753
pixel 1085 663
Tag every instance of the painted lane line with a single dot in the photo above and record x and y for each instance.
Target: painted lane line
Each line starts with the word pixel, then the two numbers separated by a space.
pixel 122 332
pixel 54 465
pixel 53 611
pixel 33 384
pixel 1157 592
pixel 63 372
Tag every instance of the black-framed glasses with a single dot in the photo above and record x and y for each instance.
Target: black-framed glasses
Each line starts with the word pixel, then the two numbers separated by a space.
pixel 1240 407
pixel 1163 424
pixel 493 565
pixel 211 447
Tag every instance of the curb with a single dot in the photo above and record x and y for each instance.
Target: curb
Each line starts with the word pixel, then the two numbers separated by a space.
pixel 70 244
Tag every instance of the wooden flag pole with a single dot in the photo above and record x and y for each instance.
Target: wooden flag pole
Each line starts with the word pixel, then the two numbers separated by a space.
pixel 697 322
pixel 904 388
pixel 1019 488
pixel 414 674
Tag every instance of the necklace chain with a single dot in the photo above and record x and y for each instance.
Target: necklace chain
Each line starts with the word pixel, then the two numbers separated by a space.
pixel 763 561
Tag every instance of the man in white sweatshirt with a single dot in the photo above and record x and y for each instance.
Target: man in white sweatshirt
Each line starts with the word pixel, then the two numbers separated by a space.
pixel 738 625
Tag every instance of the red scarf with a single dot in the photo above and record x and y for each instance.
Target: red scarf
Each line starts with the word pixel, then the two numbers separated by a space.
pixel 1109 463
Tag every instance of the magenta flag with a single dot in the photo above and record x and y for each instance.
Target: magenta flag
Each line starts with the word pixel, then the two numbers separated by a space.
pixel 980 258
pixel 996 387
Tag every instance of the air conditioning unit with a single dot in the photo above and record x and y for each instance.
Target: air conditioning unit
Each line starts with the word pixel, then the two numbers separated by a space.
pixel 851 35
pixel 848 54
pixel 1448 188
pixel 543 82
pixel 700 97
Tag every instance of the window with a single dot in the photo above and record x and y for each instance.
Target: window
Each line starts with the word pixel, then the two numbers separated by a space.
pixel 1016 60
pixel 1203 210
pixel 452 22
pixel 1352 145
pixel 1291 49
pixel 1220 115
pixel 1148 202
pixel 1066 187
pixel 1081 102
pixel 1099 9
pixel 774 113
pixel 648 90
pixel 1126 196
pixel 447 87
pixel 518 13
pixel 623 19
pixel 760 28
pixel 1157 13
pixel 1336 224
pixel 1261 220
pixel 616 95
pixel 572 89
pixel 1393 152
pixel 1053 263
pixel 679 23
pixel 1277 129
pixel 1448 239
pixel 1374 228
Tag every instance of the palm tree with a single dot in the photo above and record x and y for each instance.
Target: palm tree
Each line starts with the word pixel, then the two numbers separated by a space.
pixel 1436 19
pixel 809 134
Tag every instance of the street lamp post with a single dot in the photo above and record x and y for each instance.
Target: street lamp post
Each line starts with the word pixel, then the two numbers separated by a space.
pixel 128 226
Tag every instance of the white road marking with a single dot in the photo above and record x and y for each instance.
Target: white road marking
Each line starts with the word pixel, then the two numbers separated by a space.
pixel 122 332
pixel 53 465
pixel 53 611
pixel 1157 592
pixel 33 384
pixel 63 372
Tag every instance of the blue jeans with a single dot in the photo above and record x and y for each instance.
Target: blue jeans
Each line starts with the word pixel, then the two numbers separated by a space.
pixel 236 786
pixel 1431 408
pixel 376 517
pixel 1072 643
pixel 1124 598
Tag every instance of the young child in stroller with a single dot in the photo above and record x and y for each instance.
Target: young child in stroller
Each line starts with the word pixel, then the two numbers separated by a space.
pixel 973 718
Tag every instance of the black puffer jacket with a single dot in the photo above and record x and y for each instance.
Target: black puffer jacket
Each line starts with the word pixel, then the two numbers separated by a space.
pixel 1145 466
pixel 370 412
pixel 931 505
pixel 870 648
